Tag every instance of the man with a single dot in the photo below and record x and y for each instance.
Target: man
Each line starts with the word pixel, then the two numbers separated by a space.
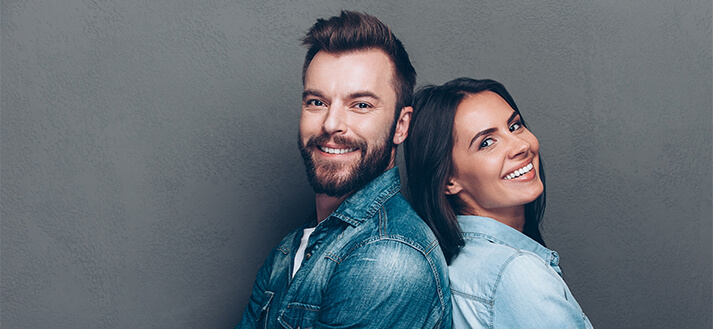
pixel 364 259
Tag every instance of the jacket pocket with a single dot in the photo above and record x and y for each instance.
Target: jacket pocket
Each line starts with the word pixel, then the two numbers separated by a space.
pixel 299 316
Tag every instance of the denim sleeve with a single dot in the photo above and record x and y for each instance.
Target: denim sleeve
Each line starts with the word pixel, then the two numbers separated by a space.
pixel 531 294
pixel 252 312
pixel 384 284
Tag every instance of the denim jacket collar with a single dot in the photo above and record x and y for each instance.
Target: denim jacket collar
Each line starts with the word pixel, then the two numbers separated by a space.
pixel 506 235
pixel 365 202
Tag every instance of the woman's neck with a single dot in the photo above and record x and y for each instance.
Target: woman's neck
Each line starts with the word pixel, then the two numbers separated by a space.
pixel 513 217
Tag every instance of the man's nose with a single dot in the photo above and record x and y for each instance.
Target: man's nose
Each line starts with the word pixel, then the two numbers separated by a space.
pixel 335 121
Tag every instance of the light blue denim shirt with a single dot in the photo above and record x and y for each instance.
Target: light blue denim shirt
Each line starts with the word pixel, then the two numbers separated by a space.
pixel 373 263
pixel 504 279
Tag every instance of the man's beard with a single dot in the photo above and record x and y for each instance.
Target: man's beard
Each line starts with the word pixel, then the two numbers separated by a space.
pixel 374 161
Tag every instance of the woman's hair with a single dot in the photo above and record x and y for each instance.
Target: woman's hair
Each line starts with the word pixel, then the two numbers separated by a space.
pixel 429 158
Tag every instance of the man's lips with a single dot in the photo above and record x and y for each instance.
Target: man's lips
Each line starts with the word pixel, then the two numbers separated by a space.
pixel 332 146
pixel 335 150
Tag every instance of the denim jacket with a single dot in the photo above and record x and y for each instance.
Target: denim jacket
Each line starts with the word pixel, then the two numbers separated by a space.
pixel 503 279
pixel 373 263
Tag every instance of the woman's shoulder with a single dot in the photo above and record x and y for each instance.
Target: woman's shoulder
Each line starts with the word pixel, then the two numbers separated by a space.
pixel 501 281
pixel 479 267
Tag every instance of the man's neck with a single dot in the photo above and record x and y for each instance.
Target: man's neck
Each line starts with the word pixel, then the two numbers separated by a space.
pixel 326 205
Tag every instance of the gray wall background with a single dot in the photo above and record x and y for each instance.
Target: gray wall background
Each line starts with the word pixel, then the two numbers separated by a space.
pixel 149 163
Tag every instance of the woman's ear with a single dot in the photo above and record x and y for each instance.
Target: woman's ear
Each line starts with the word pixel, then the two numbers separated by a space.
pixel 452 187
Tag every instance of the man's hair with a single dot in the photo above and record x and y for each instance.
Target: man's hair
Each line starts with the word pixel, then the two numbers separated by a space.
pixel 352 31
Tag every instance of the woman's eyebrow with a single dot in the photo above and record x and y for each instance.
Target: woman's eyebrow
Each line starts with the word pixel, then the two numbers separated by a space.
pixel 481 133
pixel 491 130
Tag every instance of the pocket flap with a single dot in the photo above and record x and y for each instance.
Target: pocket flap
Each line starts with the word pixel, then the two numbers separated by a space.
pixel 299 315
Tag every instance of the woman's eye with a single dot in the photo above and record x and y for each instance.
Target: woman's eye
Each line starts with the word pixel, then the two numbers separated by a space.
pixel 486 142
pixel 515 126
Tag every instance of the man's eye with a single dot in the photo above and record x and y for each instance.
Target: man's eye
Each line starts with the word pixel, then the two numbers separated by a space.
pixel 315 102
pixel 362 106
pixel 515 126
pixel 486 142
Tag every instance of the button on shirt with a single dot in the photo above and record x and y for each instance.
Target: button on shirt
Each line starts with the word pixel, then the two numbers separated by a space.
pixel 373 263
pixel 502 278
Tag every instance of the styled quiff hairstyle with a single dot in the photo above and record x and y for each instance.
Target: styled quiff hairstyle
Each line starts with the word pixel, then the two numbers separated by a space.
pixel 353 31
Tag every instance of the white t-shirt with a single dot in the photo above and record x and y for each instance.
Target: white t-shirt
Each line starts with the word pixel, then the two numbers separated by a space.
pixel 301 250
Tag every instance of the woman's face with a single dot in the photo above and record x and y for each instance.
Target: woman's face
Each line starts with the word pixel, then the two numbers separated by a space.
pixel 495 158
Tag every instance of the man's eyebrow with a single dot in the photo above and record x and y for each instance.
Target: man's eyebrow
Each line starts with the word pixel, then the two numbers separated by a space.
pixel 360 94
pixel 481 133
pixel 311 92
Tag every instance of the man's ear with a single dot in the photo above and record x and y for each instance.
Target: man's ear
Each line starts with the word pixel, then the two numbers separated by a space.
pixel 402 124
pixel 453 187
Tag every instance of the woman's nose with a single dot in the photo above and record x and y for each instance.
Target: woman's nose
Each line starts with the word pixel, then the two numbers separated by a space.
pixel 519 147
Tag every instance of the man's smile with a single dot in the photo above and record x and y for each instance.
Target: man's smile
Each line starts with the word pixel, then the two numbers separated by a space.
pixel 330 150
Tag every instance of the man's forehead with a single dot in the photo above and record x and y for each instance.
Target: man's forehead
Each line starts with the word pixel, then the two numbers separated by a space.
pixel 361 71
pixel 373 54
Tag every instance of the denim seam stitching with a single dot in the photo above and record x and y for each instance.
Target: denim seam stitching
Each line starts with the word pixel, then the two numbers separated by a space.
pixel 382 223
pixel 431 247
pixel 379 201
pixel 304 306
pixel 376 204
pixel 472 297
pixel 401 239
pixel 503 268
pixel 333 257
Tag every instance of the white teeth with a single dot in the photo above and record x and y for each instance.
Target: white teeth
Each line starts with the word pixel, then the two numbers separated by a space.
pixel 520 171
pixel 335 151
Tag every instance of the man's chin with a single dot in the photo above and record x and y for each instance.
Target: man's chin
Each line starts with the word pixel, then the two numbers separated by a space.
pixel 331 190
pixel 332 184
pixel 341 178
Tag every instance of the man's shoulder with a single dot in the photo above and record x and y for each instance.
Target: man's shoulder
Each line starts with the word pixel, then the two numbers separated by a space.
pixel 393 225
pixel 397 206
pixel 399 218
pixel 398 255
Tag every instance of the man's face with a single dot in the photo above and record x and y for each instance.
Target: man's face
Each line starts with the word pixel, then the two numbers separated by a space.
pixel 347 124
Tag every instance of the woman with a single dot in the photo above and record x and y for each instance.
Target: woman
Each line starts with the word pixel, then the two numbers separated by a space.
pixel 475 176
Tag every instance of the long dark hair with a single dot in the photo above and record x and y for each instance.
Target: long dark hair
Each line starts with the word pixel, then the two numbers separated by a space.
pixel 428 151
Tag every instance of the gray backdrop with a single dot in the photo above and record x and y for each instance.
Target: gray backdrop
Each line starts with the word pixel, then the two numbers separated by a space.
pixel 149 160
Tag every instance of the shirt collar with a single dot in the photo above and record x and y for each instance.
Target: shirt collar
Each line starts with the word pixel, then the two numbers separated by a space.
pixel 365 202
pixel 506 235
